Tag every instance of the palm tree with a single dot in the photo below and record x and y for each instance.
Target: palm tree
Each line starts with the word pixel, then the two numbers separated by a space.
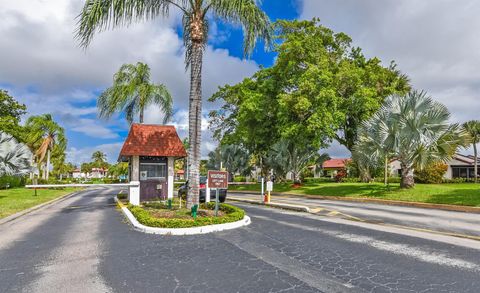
pixel 132 92
pixel 473 129
pixel 15 157
pixel 45 137
pixel 99 157
pixel 98 15
pixel 412 128
pixel 287 156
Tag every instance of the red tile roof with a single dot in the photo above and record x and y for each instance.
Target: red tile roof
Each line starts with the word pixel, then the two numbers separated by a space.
pixel 335 163
pixel 153 140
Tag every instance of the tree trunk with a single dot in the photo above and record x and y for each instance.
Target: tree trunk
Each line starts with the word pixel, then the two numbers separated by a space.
pixel 476 161
pixel 408 180
pixel 195 122
pixel 141 115
pixel 386 171
pixel 48 165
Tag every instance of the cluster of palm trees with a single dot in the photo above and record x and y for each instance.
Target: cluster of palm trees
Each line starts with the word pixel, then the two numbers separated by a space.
pixel 413 129
pixel 43 142
pixel 98 15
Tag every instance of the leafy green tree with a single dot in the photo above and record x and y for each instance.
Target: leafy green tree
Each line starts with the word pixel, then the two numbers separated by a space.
pixel 319 89
pixel 412 128
pixel 11 112
pixel 249 115
pixel 15 157
pixel 118 170
pixel 132 92
pixel 473 129
pixel 98 15
pixel 60 168
pixel 45 137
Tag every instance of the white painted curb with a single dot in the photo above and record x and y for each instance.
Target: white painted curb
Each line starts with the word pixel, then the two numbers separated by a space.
pixel 285 206
pixel 183 231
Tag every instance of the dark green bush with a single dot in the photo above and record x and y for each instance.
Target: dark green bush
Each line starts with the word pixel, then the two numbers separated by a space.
pixel 122 195
pixel 233 214
pixel 12 181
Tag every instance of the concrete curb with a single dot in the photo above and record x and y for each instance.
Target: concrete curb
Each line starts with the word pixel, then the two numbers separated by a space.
pixel 446 207
pixel 285 206
pixel 181 231
pixel 37 207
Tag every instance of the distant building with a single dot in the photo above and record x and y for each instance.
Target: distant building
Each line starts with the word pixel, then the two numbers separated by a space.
pixel 331 167
pixel 180 175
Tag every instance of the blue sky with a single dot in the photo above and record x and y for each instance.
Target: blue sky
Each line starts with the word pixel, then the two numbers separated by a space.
pixel 434 41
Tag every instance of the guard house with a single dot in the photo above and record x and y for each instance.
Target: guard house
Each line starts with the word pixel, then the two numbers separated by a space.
pixel 151 151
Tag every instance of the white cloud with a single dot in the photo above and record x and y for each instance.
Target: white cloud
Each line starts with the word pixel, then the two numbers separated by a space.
pixel 92 128
pixel 43 66
pixel 434 41
pixel 82 155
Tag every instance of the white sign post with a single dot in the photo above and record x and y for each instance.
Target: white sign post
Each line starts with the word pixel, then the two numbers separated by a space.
pixel 269 189
pixel 207 193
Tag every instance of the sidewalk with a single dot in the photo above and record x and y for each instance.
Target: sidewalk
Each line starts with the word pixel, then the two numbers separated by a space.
pixel 461 224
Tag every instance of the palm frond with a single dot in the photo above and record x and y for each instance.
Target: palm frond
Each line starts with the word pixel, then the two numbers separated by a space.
pixel 15 157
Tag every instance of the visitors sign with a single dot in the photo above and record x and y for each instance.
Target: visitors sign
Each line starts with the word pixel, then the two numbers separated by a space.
pixel 217 179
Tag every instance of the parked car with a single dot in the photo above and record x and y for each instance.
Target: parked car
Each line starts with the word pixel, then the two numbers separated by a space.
pixel 222 193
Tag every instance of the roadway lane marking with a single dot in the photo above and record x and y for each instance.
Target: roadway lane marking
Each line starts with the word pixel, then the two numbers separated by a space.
pixel 395 248
pixel 297 269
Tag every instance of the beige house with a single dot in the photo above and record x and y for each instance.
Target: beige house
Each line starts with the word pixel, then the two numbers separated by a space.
pixel 460 166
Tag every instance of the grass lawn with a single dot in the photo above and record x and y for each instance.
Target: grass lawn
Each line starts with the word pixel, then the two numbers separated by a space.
pixel 456 193
pixel 18 199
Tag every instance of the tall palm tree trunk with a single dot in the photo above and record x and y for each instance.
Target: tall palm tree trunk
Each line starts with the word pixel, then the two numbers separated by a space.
pixel 195 122
pixel 385 178
pixel 141 115
pixel 47 169
pixel 475 166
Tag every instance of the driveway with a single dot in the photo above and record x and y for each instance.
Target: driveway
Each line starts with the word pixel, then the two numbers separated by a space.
pixel 422 218
pixel 83 244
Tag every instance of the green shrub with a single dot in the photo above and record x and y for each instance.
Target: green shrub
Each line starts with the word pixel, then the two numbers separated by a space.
pixel 12 181
pixel 240 179
pixel 433 173
pixel 458 180
pixel 395 179
pixel 318 180
pixel 232 214
pixel 122 195
pixel 351 180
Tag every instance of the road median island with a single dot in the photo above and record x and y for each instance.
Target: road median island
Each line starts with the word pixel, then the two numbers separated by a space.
pixel 446 207
pixel 156 218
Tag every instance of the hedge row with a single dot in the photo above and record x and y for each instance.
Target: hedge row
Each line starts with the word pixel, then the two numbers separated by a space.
pixel 232 214
pixel 11 181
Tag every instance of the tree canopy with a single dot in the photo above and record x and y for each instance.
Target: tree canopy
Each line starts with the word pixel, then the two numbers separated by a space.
pixel 319 89
pixel 11 112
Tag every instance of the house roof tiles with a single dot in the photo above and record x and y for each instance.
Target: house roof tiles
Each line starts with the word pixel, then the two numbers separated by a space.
pixel 153 140
pixel 335 163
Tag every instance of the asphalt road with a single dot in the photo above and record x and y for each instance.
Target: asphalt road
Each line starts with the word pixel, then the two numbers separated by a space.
pixel 438 220
pixel 83 244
